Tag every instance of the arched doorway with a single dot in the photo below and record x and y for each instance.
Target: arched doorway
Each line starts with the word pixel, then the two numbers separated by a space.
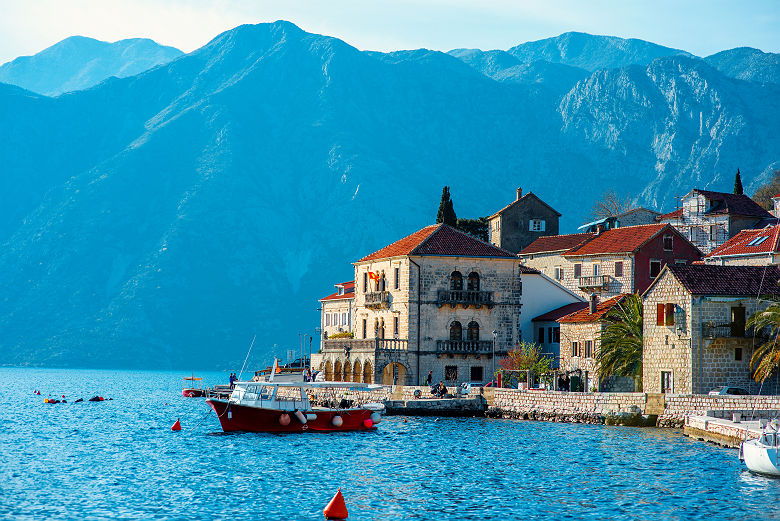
pixel 347 372
pixel 328 371
pixel 337 371
pixel 394 374
pixel 357 371
pixel 368 373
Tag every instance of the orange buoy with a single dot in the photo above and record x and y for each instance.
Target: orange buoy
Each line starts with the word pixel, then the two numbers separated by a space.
pixel 336 509
pixel 176 426
pixel 367 423
pixel 284 419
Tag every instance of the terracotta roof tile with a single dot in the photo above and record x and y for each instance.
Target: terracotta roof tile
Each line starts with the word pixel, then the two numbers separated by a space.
pixel 671 215
pixel 562 311
pixel 620 240
pixel 602 308
pixel 733 204
pixel 731 281
pixel 551 243
pixel 749 242
pixel 439 239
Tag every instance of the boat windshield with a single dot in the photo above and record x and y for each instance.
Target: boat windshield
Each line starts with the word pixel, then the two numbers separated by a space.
pixel 261 395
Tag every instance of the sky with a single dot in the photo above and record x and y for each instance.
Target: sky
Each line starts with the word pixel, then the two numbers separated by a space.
pixel 697 26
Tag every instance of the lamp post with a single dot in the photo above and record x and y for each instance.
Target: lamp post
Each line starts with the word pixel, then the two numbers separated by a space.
pixel 495 335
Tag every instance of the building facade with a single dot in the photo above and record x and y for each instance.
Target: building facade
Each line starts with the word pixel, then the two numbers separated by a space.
pixel 438 301
pixel 616 261
pixel 336 310
pixel 708 219
pixel 521 222
pixel 695 337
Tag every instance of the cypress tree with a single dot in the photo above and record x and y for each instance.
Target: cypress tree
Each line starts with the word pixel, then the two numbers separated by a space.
pixel 446 212
pixel 738 183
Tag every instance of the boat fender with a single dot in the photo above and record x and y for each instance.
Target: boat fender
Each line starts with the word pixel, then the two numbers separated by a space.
pixel 284 420
pixel 367 423
pixel 301 417
pixel 376 418
pixel 337 421
pixel 311 416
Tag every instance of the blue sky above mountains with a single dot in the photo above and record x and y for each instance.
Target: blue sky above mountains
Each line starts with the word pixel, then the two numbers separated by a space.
pixel 701 28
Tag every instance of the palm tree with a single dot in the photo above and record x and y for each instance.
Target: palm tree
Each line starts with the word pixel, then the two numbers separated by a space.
pixel 766 357
pixel 621 342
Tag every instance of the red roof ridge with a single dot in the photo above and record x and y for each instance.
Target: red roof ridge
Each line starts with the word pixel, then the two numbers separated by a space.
pixel 563 239
pixel 602 309
pixel 619 240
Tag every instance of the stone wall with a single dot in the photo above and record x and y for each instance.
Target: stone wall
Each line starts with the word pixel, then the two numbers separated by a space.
pixel 581 332
pixel 679 406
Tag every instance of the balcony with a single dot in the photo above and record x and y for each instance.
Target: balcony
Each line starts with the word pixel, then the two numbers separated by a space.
pixel 464 347
pixel 377 299
pixel 465 298
pixel 594 282
pixel 712 331
pixel 364 344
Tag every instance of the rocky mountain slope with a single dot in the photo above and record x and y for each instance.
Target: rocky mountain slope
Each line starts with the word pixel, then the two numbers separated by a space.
pixel 78 62
pixel 161 220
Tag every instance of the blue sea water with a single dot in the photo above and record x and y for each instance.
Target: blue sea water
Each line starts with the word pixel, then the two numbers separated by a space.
pixel 119 459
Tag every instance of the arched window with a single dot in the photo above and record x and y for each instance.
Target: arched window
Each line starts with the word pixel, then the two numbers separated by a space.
pixel 456 332
pixel 381 333
pixel 456 281
pixel 473 331
pixel 473 281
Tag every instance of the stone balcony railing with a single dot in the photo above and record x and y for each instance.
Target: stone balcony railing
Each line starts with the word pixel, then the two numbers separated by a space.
pixel 377 299
pixel 465 298
pixel 364 344
pixel 466 347
pixel 710 331
pixel 594 282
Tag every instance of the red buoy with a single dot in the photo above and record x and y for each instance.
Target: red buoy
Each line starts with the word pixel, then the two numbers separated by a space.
pixel 176 426
pixel 336 509
pixel 367 423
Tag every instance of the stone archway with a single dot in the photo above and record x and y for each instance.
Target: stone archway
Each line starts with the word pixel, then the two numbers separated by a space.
pixel 368 373
pixel 357 371
pixel 347 372
pixel 337 371
pixel 328 371
pixel 394 373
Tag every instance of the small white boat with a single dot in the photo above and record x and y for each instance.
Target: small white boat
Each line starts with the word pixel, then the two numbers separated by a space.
pixel 761 454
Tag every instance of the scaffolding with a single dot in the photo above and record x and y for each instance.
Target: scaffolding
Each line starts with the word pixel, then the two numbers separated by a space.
pixel 705 231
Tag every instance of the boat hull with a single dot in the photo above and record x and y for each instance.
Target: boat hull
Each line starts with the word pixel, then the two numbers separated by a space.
pixel 236 418
pixel 192 393
pixel 760 458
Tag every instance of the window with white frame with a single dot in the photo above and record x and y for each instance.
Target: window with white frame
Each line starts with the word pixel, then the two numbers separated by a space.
pixel 537 225
pixel 558 273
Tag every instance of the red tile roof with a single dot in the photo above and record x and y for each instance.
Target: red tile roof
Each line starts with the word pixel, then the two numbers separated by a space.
pixel 671 215
pixel 550 243
pixel 348 284
pixel 602 308
pixel 733 204
pixel 740 244
pixel 562 311
pixel 439 239
pixel 731 281
pixel 349 292
pixel 620 240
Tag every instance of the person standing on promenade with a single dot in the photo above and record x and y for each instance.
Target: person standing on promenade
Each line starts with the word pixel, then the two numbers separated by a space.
pixel 429 379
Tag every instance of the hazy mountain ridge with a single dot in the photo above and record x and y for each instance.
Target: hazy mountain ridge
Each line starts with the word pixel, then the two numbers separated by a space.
pixel 746 63
pixel 78 62
pixel 163 219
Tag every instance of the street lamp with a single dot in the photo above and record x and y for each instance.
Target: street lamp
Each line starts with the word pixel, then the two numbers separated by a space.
pixel 495 335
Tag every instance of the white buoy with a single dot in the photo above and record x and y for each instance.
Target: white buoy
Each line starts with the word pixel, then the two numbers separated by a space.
pixel 337 421
pixel 376 417
pixel 301 417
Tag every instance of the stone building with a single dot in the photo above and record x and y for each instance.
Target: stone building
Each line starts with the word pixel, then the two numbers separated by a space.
pixel 620 260
pixel 580 337
pixel 748 248
pixel 521 222
pixel 694 326
pixel 336 310
pixel 438 300
pixel 708 219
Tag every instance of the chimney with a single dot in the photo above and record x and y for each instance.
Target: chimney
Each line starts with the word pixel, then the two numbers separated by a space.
pixel 519 193
pixel 594 300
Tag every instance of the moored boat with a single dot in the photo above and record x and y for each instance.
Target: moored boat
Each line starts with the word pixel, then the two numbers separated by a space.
pixel 191 389
pixel 286 407
pixel 761 454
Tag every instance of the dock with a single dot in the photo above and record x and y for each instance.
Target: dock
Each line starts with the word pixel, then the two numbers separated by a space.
pixel 722 431
pixel 452 407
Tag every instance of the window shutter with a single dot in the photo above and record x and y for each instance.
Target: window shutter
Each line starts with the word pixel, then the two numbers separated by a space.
pixel 669 314
pixel 659 320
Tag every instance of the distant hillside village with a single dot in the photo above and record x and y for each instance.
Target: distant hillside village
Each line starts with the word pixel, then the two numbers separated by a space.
pixel 444 305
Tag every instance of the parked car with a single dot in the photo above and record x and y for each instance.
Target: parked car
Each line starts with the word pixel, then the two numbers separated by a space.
pixel 725 389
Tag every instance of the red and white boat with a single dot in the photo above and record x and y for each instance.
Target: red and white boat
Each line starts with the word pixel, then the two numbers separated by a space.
pixel 191 388
pixel 285 407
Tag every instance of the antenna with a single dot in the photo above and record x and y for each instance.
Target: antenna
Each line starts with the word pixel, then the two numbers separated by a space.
pixel 247 356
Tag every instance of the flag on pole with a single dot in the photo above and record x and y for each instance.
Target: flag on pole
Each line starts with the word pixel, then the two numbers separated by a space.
pixel 373 276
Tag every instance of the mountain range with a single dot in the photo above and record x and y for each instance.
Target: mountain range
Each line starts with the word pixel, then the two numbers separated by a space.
pixel 165 218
